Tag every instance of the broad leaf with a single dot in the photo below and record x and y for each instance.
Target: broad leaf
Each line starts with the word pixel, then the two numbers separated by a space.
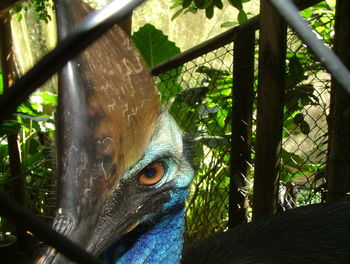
pixel 153 45
pixel 242 17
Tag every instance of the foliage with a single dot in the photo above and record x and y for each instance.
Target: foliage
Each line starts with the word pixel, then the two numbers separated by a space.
pixel 196 110
pixel 204 113
pixel 40 8
pixel 34 126
pixel 155 47
pixel 321 17
pixel 209 6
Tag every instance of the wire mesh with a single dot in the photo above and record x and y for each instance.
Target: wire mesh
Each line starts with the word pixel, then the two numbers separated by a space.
pixel 305 133
pixel 198 95
pixel 201 103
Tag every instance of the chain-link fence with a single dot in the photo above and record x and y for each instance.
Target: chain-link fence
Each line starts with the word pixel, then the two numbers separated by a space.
pixel 199 94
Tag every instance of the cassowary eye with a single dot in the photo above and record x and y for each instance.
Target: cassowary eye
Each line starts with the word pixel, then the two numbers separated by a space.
pixel 152 174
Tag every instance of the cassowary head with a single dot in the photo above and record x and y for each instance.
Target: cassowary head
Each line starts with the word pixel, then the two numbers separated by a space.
pixel 122 169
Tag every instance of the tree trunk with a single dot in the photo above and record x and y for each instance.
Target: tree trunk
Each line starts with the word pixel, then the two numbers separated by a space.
pixel 338 163
pixel 8 71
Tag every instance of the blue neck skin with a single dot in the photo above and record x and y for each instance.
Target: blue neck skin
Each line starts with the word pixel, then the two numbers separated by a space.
pixel 161 244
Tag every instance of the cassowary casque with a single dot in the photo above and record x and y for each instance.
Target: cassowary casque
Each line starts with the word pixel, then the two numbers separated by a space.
pixel 124 172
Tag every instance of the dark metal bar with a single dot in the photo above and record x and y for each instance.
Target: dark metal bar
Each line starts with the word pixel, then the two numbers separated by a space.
pixel 27 221
pixel 87 32
pixel 326 56
pixel 217 42
pixel 242 112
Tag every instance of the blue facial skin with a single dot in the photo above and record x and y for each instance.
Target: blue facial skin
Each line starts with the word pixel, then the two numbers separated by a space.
pixel 162 243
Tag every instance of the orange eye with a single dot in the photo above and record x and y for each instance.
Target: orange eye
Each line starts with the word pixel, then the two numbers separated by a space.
pixel 152 174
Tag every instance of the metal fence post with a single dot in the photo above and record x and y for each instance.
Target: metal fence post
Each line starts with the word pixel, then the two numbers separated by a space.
pixel 242 111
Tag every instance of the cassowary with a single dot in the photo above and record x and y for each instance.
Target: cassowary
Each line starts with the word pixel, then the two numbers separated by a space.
pixel 124 172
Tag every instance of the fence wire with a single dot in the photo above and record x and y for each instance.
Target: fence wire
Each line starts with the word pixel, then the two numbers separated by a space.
pixel 202 109
pixel 199 97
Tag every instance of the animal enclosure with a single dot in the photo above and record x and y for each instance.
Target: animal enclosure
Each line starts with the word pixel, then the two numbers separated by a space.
pixel 199 87
pixel 201 92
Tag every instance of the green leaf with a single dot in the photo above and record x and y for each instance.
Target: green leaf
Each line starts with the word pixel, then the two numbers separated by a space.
pixel 200 3
pixel 221 116
pixel 218 4
pixel 307 13
pixel 298 118
pixel 296 70
pixel 242 17
pixel 186 3
pixel 16 9
pixel 236 3
pixel 27 108
pixel 176 3
pixel 9 127
pixel 209 12
pixel 228 24
pixel 48 98
pixel 19 17
pixel 153 45
pixel 304 127
pixel 177 13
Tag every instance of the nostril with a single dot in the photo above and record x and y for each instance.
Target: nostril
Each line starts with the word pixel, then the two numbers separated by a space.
pixel 63 224
pixel 47 257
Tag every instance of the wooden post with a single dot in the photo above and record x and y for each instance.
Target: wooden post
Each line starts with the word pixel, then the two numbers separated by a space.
pixel 269 111
pixel 242 111
pixel 338 162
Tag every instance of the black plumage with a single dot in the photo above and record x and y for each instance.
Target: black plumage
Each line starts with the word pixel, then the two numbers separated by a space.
pixel 317 234
pixel 311 234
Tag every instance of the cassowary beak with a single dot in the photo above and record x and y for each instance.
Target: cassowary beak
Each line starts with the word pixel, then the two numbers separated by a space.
pixel 108 109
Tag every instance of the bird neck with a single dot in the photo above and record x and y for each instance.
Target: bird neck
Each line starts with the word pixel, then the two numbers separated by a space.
pixel 161 244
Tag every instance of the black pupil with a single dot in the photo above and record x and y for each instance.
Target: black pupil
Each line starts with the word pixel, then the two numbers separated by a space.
pixel 150 172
